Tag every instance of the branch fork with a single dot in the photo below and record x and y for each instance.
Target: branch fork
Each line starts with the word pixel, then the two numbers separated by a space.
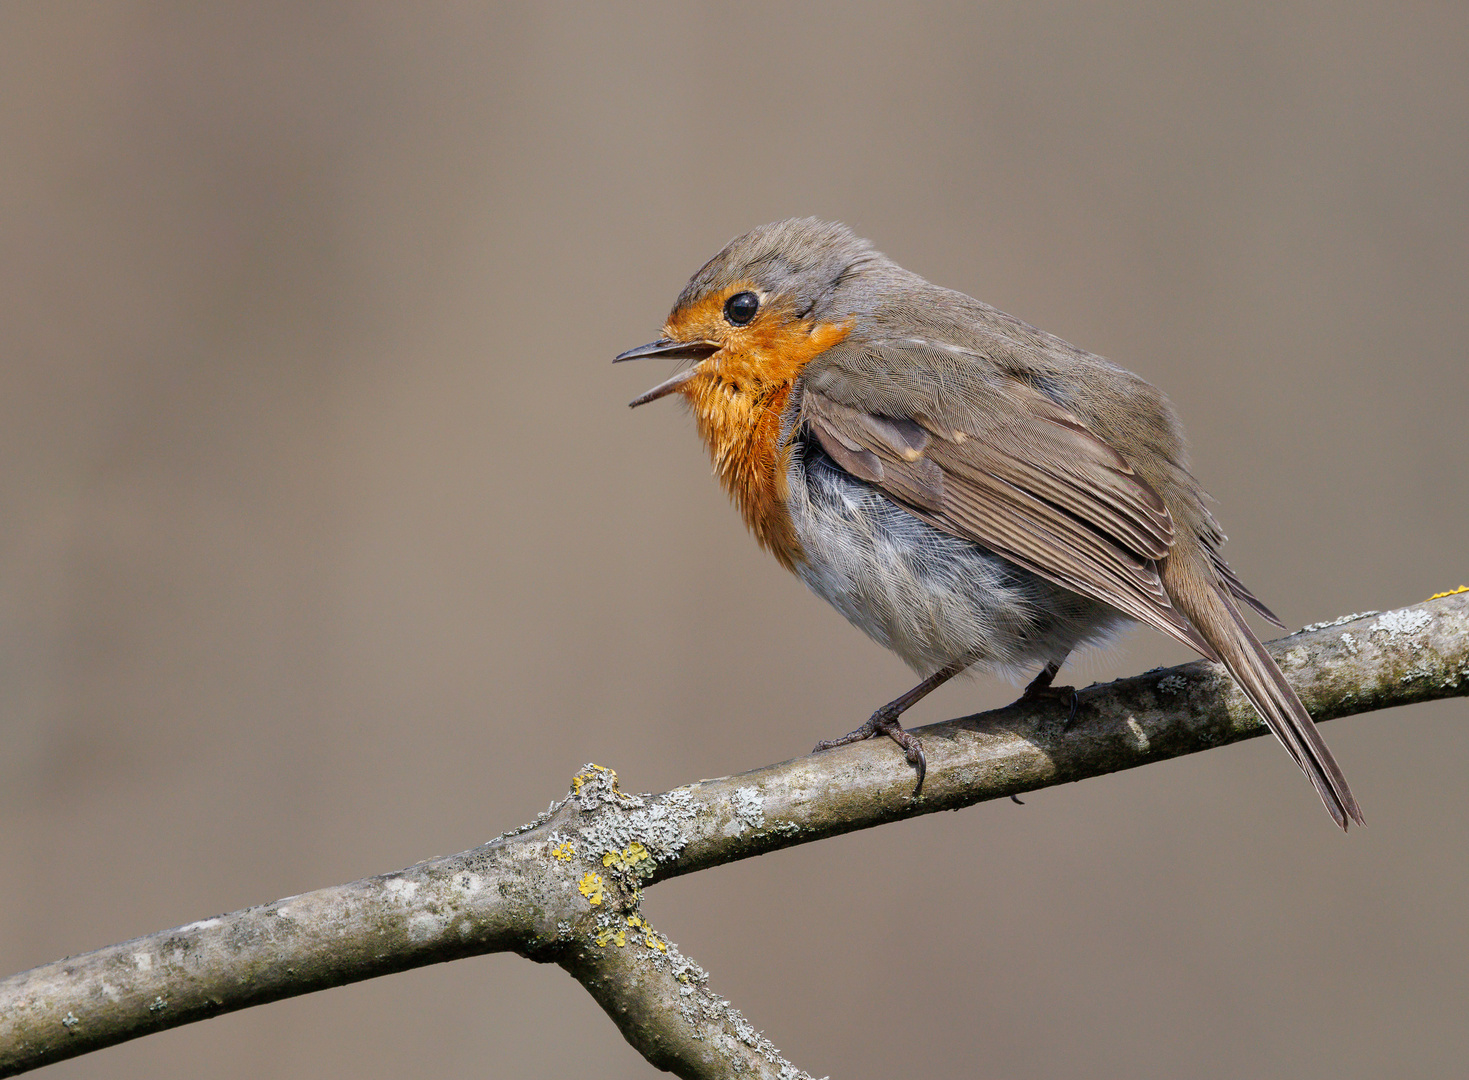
pixel 567 887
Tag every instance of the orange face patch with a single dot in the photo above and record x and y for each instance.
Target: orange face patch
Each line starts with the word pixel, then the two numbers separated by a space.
pixel 738 396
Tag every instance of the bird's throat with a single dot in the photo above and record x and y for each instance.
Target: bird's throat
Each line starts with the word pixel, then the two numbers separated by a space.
pixel 738 405
pixel 742 432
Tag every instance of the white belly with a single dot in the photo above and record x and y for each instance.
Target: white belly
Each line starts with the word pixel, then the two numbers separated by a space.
pixel 930 597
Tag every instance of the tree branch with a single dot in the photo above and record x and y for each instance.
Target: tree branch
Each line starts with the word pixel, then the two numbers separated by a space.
pixel 567 887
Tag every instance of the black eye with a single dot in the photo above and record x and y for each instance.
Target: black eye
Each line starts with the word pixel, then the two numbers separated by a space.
pixel 741 307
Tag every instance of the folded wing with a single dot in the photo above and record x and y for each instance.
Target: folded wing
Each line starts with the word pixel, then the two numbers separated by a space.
pixel 1031 484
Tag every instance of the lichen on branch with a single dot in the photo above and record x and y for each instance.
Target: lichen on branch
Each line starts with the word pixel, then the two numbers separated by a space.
pixel 567 887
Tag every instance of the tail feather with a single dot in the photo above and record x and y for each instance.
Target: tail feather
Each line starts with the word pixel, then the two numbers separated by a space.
pixel 1240 591
pixel 1220 620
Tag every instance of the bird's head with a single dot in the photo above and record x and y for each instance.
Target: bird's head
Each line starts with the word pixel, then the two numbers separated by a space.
pixel 759 310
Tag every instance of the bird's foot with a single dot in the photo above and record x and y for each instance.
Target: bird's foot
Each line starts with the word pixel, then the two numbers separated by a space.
pixel 1040 689
pixel 885 723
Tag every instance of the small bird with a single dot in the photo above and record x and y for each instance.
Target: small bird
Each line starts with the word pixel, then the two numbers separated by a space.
pixel 966 489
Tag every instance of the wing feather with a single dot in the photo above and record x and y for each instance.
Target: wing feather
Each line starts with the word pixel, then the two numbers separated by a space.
pixel 1037 487
pixel 980 450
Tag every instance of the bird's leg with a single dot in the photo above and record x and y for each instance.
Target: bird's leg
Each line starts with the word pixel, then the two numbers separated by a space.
pixel 1040 687
pixel 1042 682
pixel 885 720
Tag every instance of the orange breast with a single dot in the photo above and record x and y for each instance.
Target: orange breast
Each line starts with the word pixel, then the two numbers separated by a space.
pixel 737 403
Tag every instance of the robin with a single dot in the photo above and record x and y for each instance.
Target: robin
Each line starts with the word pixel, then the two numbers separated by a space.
pixel 966 489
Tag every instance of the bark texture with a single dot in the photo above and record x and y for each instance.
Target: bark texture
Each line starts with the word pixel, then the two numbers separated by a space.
pixel 567 887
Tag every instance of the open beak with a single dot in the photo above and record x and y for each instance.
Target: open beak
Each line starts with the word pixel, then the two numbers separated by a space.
pixel 669 350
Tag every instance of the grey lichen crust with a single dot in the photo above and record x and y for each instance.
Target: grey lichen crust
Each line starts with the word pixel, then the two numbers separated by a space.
pixel 567 887
pixel 658 997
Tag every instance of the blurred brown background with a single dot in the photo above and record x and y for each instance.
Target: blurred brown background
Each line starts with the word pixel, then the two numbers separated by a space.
pixel 327 542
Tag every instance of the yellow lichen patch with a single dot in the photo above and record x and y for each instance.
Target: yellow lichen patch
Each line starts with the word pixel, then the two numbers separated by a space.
pixel 590 886
pixel 587 775
pixel 628 858
pixel 563 851
pixel 635 920
pixel 1451 592
pixel 616 937
pixel 654 942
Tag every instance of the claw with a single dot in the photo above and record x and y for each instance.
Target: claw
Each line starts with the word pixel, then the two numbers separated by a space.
pixel 884 724
pixel 885 721
pixel 1040 687
pixel 915 758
